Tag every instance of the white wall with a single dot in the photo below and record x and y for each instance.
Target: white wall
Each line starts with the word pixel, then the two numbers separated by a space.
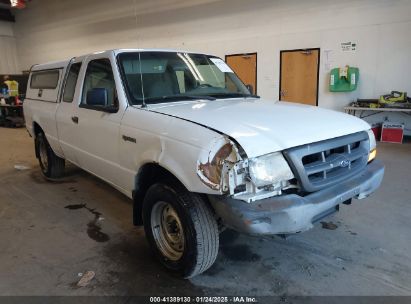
pixel 51 30
pixel 8 50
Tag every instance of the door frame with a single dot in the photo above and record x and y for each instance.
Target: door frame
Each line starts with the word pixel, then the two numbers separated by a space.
pixel 318 69
pixel 256 66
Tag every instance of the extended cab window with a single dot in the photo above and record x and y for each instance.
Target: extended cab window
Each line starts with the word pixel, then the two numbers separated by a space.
pixel 71 81
pixel 44 79
pixel 99 88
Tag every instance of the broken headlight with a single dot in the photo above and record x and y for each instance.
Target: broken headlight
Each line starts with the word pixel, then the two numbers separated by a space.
pixel 269 169
pixel 215 161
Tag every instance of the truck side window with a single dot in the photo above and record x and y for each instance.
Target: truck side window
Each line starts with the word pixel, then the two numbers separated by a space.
pixel 47 79
pixel 71 81
pixel 99 75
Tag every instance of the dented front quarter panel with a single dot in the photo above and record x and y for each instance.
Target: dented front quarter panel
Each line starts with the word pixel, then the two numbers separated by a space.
pixel 159 140
pixel 215 162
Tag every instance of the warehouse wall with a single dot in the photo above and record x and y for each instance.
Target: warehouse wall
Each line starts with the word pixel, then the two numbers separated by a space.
pixel 52 30
pixel 8 50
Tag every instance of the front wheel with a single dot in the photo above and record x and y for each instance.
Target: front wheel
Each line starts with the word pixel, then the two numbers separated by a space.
pixel 181 229
pixel 51 165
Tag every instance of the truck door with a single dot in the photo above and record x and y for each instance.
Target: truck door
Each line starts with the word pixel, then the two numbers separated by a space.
pixel 98 119
pixel 67 109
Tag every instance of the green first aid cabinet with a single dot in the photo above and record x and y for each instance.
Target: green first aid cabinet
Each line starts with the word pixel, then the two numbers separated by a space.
pixel 344 79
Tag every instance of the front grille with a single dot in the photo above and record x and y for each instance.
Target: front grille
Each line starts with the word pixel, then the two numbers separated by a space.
pixel 326 163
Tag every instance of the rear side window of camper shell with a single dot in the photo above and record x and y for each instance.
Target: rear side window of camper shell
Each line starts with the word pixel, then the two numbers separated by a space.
pixel 47 79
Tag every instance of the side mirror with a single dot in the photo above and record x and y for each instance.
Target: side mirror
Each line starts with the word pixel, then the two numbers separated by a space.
pixel 250 88
pixel 97 97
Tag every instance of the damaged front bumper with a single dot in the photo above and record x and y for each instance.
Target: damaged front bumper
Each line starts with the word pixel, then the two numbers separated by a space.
pixel 292 213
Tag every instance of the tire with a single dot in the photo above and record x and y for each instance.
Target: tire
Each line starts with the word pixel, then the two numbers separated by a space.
pixel 186 225
pixel 51 165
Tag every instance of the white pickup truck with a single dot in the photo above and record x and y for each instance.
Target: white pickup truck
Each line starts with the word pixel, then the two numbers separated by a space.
pixel 182 136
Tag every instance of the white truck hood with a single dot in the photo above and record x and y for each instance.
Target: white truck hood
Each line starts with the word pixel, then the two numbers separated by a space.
pixel 263 126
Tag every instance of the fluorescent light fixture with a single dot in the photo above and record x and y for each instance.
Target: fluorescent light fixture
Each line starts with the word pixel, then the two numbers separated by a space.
pixel 194 66
pixel 189 66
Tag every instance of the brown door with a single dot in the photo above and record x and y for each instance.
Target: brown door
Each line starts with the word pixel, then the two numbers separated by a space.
pixel 245 66
pixel 299 76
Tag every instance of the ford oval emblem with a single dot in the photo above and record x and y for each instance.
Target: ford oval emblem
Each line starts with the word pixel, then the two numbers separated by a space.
pixel 344 163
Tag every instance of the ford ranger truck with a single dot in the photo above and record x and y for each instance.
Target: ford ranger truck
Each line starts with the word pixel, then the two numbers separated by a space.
pixel 182 136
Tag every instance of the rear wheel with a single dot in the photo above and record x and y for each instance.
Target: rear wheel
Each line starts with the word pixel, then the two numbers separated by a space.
pixel 51 165
pixel 181 229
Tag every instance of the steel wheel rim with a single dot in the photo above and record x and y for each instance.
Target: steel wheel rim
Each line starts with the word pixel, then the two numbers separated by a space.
pixel 167 231
pixel 43 156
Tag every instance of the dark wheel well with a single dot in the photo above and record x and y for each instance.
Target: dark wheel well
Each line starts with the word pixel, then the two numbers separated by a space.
pixel 37 129
pixel 148 175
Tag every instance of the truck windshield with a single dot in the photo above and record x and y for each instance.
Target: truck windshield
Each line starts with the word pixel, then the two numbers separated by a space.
pixel 157 77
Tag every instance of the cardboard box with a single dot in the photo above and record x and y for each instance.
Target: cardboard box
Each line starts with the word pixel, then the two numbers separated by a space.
pixel 392 132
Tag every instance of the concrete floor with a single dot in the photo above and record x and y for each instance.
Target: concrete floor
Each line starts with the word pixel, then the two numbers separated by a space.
pixel 44 244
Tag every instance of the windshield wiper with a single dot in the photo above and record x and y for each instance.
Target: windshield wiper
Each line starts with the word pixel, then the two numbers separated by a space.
pixel 232 95
pixel 178 97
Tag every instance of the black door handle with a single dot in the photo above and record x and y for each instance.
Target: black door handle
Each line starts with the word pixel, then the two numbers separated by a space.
pixel 74 119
